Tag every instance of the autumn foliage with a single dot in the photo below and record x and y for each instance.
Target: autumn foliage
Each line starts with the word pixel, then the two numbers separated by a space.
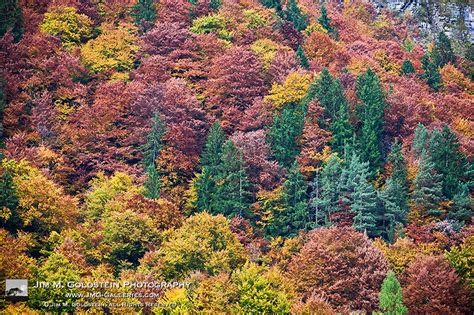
pixel 277 156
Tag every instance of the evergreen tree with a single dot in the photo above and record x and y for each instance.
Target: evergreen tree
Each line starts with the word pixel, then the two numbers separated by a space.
pixel 448 160
pixel 284 133
pixel 399 172
pixel 233 187
pixel 301 56
pixel 364 206
pixel 293 14
pixel 215 4
pixel 8 202
pixel 272 4
pixel 152 183
pixel 151 150
pixel 407 67
pixel 205 187
pixel 341 129
pixel 212 152
pixel 325 21
pixel 395 194
pixel 360 196
pixel 11 17
pixel 211 164
pixel 393 214
pixel 294 217
pixel 442 51
pixel 326 192
pixel 431 73
pixel 427 186
pixel 420 139
pixel 144 14
pixel 324 91
pixel 2 111
pixel 330 95
pixel 391 297
pixel 461 208
pixel 371 114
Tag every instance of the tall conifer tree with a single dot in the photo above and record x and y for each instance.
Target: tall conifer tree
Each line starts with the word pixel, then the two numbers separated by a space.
pixel 371 115
pixel 448 160
pixel 283 135
pixel 443 51
pixel 428 189
pixel 360 196
pixel 233 187
pixel 420 140
pixel 431 73
pixel 293 14
pixel 301 56
pixel 295 216
pixel 151 151
pixel 395 194
pixel 325 21
pixel 211 162
pixel 326 192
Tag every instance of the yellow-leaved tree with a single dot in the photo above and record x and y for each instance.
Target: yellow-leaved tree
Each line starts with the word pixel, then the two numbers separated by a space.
pixel 43 206
pixel 113 50
pixel 73 28
pixel 291 91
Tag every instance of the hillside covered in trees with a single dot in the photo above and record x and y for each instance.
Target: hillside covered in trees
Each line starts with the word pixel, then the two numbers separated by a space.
pixel 255 157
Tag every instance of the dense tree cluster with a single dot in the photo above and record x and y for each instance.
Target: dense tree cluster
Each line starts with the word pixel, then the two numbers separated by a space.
pixel 277 156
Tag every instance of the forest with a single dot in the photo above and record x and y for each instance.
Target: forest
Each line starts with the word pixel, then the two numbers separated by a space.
pixel 239 156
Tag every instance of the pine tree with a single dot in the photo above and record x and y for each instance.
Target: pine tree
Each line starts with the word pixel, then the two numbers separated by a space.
pixel 420 139
pixel 326 192
pixel 461 208
pixel 272 4
pixel 391 297
pixel 323 90
pixel 361 196
pixel 431 73
pixel 448 160
pixel 393 214
pixel 427 186
pixel 151 150
pixel 395 195
pixel 330 95
pixel 364 206
pixel 212 152
pixel 325 21
pixel 211 164
pixel 144 14
pixel 2 111
pixel 301 56
pixel 284 133
pixel 293 14
pixel 215 4
pixel 407 67
pixel 399 172
pixel 152 183
pixel 205 187
pixel 341 129
pixel 371 114
pixel 8 202
pixel 233 187
pixel 442 51
pixel 11 17
pixel 295 215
